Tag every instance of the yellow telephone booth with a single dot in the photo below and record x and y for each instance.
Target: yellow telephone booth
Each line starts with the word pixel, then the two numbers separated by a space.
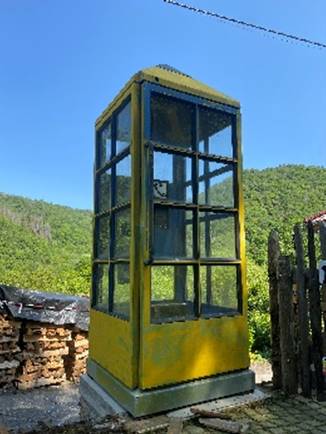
pixel 168 321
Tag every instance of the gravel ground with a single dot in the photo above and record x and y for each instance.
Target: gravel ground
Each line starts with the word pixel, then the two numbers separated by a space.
pixel 55 406
pixel 27 410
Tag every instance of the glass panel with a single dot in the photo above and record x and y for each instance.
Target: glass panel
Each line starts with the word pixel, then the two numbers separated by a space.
pixel 123 180
pixel 171 121
pixel 219 289
pixel 216 184
pixel 104 191
pixel 101 287
pixel 123 129
pixel 215 132
pixel 172 177
pixel 173 233
pixel 121 294
pixel 122 233
pixel 105 146
pixel 102 237
pixel 172 293
pixel 217 235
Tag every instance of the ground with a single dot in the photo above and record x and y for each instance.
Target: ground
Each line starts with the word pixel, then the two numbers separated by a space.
pixel 55 410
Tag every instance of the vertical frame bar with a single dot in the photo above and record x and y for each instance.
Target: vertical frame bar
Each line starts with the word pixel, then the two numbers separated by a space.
pixel 136 262
pixel 196 238
pixel 243 293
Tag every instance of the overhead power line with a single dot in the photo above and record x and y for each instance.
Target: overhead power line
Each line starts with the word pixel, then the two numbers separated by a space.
pixel 242 23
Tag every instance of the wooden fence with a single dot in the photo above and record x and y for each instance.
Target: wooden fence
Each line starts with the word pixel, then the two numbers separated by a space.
pixel 298 311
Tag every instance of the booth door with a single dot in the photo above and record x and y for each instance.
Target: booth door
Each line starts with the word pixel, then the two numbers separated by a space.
pixel 194 317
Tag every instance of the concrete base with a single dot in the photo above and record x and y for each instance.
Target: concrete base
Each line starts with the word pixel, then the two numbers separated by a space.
pixel 96 403
pixel 104 399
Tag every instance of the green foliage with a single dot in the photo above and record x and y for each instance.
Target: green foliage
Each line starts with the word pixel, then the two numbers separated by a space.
pixel 275 198
pixel 44 246
pixel 48 247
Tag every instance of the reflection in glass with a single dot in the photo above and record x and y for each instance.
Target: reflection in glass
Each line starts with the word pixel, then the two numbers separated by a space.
pixel 215 132
pixel 102 238
pixel 173 233
pixel 172 177
pixel 104 191
pixel 121 293
pixel 217 235
pixel 219 289
pixel 123 129
pixel 105 145
pixel 216 184
pixel 172 293
pixel 101 287
pixel 122 233
pixel 171 121
pixel 123 180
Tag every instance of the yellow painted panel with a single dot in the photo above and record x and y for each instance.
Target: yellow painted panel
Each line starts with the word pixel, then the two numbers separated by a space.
pixel 111 345
pixel 189 350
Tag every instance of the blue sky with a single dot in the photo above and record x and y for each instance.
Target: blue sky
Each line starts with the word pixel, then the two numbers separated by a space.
pixel 63 61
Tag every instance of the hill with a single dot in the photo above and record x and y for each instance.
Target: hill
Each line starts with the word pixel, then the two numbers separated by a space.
pixel 44 246
pixel 48 246
pixel 278 198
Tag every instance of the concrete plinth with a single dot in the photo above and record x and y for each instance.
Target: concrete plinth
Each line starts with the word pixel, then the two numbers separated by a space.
pixel 108 396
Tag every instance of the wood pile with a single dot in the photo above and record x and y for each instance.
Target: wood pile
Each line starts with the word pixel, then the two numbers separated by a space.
pixel 10 355
pixel 75 361
pixel 44 348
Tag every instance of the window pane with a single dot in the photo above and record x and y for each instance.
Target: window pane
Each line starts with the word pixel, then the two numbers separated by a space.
pixel 172 293
pixel 172 177
pixel 101 286
pixel 173 233
pixel 104 191
pixel 102 237
pixel 216 184
pixel 123 129
pixel 121 294
pixel 215 132
pixel 122 233
pixel 217 235
pixel 105 145
pixel 219 289
pixel 171 121
pixel 123 180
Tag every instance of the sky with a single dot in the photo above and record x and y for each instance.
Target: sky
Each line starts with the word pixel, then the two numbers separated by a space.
pixel 62 62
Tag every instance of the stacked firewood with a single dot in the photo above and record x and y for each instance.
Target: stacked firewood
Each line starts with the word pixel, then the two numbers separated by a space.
pixel 44 348
pixel 10 354
pixel 75 361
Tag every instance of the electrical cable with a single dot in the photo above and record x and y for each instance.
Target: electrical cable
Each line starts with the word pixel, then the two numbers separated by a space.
pixel 242 23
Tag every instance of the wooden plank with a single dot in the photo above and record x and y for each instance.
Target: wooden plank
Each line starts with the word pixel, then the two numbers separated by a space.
pixel 315 310
pixel 303 332
pixel 273 256
pixel 322 235
pixel 225 425
pixel 285 299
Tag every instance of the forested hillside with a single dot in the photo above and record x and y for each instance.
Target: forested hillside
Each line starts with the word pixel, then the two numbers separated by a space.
pixel 48 247
pixel 44 246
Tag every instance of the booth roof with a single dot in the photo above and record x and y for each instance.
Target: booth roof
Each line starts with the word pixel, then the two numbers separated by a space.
pixel 170 77
pixel 167 73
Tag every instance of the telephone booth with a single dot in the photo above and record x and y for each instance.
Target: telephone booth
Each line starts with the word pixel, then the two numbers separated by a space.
pixel 168 320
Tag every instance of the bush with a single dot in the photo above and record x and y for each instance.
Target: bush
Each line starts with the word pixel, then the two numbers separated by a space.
pixel 258 309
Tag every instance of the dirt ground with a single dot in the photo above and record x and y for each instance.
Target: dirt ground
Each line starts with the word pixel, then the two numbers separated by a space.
pixel 56 409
